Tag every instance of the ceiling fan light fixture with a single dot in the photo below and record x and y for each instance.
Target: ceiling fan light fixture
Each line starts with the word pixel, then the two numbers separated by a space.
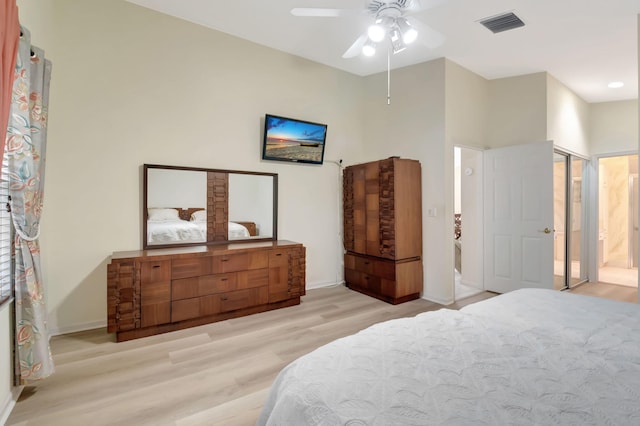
pixel 369 48
pixel 378 30
pixel 409 34
pixel 397 43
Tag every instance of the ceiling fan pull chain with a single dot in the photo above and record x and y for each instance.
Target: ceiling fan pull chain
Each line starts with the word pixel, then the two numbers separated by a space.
pixel 388 76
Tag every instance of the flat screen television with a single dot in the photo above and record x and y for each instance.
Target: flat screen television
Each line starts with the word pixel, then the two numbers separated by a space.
pixel 288 139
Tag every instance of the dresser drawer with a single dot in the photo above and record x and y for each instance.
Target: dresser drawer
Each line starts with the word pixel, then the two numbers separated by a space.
pixel 253 278
pixel 369 265
pixel 185 309
pixel 154 271
pixel 155 292
pixel 201 286
pixel 243 299
pixel 367 282
pixel 240 261
pixel 155 314
pixel 190 267
pixel 219 283
pixel 233 300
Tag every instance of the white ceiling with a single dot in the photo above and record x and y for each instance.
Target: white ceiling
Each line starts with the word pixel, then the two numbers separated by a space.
pixel 583 43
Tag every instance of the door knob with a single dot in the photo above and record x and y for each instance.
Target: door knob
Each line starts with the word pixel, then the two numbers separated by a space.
pixel 546 230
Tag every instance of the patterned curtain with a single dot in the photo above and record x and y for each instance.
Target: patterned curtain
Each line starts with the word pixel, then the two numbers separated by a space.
pixel 9 34
pixel 25 149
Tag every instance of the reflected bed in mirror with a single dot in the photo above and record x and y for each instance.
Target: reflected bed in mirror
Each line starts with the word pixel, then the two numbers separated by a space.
pixel 189 206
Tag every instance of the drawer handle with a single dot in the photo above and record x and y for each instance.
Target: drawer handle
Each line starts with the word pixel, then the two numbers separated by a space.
pixel 366 263
pixel 278 254
pixel 224 259
pixel 224 298
pixel 224 279
pixel 155 266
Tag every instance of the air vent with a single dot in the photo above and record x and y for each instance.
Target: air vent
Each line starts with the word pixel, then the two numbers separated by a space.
pixel 503 22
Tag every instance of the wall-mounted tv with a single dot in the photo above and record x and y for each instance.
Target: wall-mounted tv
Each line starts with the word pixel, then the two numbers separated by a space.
pixel 288 139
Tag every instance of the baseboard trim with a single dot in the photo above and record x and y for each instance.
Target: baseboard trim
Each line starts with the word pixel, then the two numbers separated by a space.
pixel 9 403
pixel 443 302
pixel 56 331
pixel 324 285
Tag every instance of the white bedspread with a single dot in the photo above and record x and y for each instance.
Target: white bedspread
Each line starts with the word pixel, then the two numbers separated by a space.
pixel 237 231
pixel 176 230
pixel 530 357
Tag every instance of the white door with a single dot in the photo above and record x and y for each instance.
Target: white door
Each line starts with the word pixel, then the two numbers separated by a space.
pixel 518 211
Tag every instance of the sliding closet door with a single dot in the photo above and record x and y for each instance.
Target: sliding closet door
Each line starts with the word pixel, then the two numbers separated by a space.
pixel 560 265
pixel 578 249
pixel 570 213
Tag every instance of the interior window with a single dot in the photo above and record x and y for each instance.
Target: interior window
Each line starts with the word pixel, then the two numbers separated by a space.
pixel 6 291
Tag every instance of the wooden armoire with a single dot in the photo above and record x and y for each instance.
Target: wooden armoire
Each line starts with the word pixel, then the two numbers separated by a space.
pixel 383 229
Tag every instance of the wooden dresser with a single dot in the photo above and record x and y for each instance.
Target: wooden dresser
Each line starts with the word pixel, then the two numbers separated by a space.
pixel 156 291
pixel 383 229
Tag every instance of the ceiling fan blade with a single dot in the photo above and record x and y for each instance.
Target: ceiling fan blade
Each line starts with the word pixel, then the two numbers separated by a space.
pixel 427 35
pixel 321 13
pixel 419 5
pixel 356 48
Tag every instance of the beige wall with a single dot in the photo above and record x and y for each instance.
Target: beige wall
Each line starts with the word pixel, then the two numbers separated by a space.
pixel 132 86
pixel 567 118
pixel 413 127
pixel 613 127
pixel 517 110
pixel 467 112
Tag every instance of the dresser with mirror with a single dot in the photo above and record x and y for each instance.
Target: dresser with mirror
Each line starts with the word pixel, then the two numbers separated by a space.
pixel 209 252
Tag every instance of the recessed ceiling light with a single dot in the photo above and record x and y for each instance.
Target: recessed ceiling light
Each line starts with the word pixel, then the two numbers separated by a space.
pixel 615 84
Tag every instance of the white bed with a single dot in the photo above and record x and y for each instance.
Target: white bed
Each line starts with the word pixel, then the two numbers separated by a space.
pixel 530 357
pixel 170 225
pixel 237 231
pixel 176 230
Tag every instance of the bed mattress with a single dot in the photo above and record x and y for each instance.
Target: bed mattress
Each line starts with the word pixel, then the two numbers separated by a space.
pixel 527 357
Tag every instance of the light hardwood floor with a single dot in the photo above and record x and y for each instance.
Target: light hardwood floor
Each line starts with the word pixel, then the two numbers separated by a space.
pixel 217 374
pixel 608 291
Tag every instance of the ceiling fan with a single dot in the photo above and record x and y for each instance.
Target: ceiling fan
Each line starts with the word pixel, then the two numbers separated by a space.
pixel 391 22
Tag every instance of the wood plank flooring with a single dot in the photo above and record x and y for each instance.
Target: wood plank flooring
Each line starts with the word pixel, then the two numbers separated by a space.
pixel 620 293
pixel 217 374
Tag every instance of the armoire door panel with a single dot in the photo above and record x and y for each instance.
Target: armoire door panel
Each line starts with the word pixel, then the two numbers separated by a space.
pixel 359 210
pixel 372 207
pixel 407 211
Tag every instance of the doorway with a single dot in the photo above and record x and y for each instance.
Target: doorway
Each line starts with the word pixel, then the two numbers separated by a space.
pixel 618 220
pixel 468 227
pixel 529 206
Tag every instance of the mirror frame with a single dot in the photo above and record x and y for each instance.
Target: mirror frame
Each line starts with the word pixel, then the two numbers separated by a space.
pixel 147 246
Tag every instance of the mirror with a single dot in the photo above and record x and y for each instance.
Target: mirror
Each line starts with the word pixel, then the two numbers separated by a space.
pixel 191 206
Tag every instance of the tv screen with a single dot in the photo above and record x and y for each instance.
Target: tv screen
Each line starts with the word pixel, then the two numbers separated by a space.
pixel 287 139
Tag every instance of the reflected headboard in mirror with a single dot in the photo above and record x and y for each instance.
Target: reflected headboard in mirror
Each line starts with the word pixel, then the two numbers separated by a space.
pixel 193 206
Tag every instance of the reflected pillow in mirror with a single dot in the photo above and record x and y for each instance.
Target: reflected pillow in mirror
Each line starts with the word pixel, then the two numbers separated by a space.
pixel 158 215
pixel 199 216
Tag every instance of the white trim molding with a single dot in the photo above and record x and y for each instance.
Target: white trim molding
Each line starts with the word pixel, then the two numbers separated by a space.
pixel 9 403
